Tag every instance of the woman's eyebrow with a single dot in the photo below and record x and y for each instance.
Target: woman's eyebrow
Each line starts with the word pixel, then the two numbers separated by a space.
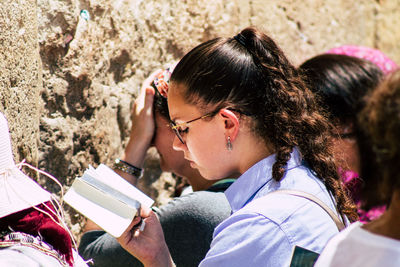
pixel 174 119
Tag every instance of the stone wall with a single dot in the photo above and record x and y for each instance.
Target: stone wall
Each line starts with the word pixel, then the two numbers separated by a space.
pixel 93 65
pixel 20 75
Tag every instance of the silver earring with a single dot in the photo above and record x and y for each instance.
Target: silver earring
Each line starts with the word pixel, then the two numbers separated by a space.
pixel 229 144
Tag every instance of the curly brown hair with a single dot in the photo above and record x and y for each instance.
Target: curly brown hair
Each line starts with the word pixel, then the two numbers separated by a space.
pixel 380 121
pixel 250 74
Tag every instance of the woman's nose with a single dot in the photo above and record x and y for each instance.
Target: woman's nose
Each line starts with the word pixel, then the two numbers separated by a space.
pixel 178 145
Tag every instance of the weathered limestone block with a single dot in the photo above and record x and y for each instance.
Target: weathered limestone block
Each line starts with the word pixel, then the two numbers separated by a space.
pixel 20 75
pixel 387 28
pixel 92 69
pixel 306 28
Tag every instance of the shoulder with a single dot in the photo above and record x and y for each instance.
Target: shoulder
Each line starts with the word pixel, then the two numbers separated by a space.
pixel 262 241
pixel 245 223
pixel 283 218
pixel 188 223
pixel 280 207
pixel 201 204
pixel 338 246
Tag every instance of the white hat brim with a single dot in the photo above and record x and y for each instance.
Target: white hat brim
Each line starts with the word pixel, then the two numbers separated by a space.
pixel 19 192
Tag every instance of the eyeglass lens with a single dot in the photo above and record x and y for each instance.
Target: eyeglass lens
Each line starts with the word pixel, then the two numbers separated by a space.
pixel 177 133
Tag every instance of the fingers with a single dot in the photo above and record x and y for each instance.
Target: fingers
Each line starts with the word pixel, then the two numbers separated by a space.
pixel 148 101
pixel 134 223
pixel 146 95
pixel 147 90
pixel 127 235
pixel 147 82
pixel 146 85
pixel 143 124
pixel 131 232
pixel 145 212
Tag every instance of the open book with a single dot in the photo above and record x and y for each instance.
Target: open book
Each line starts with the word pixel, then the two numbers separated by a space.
pixel 107 199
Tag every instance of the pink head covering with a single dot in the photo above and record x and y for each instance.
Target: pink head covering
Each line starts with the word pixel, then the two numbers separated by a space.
pixel 374 55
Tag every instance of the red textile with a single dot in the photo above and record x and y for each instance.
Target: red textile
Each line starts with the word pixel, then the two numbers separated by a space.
pixel 33 222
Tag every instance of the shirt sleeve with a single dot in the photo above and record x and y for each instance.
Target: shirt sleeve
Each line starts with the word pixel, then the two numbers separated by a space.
pixel 248 239
pixel 188 223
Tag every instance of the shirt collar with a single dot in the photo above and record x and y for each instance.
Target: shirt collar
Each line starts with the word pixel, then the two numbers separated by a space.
pixel 251 181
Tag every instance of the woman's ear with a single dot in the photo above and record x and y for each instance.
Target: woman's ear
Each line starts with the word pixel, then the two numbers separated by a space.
pixel 231 121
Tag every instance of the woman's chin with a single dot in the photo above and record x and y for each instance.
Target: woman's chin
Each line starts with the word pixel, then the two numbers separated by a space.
pixel 206 174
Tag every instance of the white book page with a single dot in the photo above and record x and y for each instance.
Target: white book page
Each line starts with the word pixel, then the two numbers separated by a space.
pixel 107 199
pixel 112 179
pixel 99 185
pixel 109 213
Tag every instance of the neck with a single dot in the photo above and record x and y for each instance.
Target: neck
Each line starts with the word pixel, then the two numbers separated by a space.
pixel 388 224
pixel 259 150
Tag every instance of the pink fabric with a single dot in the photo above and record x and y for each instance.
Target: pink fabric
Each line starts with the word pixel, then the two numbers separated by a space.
pixel 375 56
pixel 353 183
pixel 33 222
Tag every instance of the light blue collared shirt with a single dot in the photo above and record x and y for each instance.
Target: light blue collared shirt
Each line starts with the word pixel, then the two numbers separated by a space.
pixel 262 231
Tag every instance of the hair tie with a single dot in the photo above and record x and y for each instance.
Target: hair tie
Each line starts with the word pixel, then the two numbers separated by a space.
pixel 240 39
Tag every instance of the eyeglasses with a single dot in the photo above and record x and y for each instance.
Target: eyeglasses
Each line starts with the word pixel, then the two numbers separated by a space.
pixel 178 128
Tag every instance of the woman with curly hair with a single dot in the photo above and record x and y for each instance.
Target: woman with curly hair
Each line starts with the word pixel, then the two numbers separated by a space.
pixel 376 243
pixel 240 109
